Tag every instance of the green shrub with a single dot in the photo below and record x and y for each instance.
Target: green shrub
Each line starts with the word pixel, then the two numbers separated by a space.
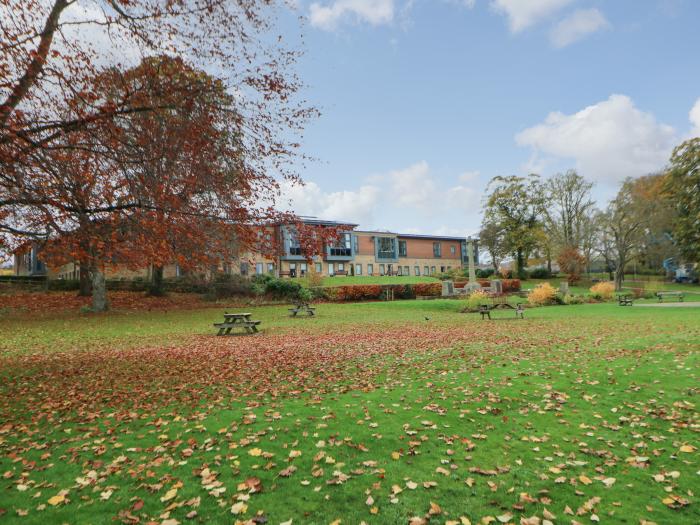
pixel 282 288
pixel 476 298
pixel 540 273
pixel 485 273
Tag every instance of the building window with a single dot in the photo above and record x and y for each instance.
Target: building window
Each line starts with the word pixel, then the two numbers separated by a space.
pixel 400 271
pixel 390 269
pixel 341 267
pixel 386 248
pixel 244 268
pixel 292 269
pixel 416 270
pixel 406 270
pixel 319 267
pixel 258 268
pixel 437 249
pixel 453 249
pixel 270 267
pixel 381 269
pixel 402 249
pixel 355 244
pixel 302 269
pixel 426 270
pixel 331 269
pixel 342 247
pixel 370 269
pixel 358 269
pixel 442 269
pixel 432 270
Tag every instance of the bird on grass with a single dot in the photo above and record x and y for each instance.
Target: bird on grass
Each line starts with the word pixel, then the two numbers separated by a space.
pixel 427 318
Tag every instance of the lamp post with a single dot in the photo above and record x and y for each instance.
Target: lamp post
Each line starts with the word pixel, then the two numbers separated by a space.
pixel 470 257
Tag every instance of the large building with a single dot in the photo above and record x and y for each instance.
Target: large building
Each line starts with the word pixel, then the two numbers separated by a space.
pixel 356 252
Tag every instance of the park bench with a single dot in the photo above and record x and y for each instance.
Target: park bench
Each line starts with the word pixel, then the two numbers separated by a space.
pixel 237 320
pixel 302 307
pixel 485 309
pixel 624 300
pixel 661 295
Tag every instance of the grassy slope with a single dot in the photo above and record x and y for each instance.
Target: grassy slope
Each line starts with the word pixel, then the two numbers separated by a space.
pixel 571 392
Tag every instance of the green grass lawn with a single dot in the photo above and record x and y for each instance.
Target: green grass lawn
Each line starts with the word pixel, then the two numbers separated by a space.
pixel 373 412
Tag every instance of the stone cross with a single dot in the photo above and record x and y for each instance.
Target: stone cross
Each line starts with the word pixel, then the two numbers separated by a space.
pixel 470 257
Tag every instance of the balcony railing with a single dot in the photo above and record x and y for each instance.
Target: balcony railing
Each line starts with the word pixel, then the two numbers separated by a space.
pixel 337 251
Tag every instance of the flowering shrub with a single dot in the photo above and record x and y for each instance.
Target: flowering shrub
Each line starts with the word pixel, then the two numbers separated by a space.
pixel 603 291
pixel 476 298
pixel 543 294
pixel 428 289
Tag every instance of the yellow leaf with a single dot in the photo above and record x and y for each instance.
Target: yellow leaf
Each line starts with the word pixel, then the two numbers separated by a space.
pixel 295 453
pixel 374 510
pixel 585 479
pixel 464 521
pixel 255 452
pixel 505 518
pixel 239 508
pixel 687 448
pixel 395 455
pixel 169 495
pixel 59 498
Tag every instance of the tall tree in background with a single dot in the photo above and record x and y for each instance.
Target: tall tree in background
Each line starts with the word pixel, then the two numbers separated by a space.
pixel 514 205
pixel 625 223
pixel 683 190
pixel 52 52
pixel 568 209
pixel 491 239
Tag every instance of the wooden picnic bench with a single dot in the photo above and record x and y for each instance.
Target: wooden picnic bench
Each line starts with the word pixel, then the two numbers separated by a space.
pixel 624 300
pixel 485 309
pixel 237 320
pixel 302 307
pixel 661 296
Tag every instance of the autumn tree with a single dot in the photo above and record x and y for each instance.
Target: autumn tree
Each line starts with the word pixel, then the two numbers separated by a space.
pixel 51 52
pixel 625 223
pixel 682 188
pixel 513 204
pixel 57 111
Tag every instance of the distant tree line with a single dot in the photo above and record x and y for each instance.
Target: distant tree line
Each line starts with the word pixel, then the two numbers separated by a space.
pixel 651 218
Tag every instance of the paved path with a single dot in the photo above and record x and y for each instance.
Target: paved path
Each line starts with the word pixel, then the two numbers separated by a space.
pixel 670 305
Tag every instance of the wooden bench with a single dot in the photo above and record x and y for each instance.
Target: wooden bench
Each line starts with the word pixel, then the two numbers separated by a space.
pixel 302 307
pixel 237 320
pixel 485 309
pixel 624 300
pixel 661 296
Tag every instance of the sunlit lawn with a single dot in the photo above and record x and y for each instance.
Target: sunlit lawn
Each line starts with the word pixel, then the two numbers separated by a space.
pixel 375 412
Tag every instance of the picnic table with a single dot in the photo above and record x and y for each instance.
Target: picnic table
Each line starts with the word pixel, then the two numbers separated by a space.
pixel 624 300
pixel 302 307
pixel 661 295
pixel 485 309
pixel 237 320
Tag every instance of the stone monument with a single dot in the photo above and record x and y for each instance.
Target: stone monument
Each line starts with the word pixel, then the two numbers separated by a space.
pixel 472 285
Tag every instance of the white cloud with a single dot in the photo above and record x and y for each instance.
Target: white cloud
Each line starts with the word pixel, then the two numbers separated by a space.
pixel 525 13
pixel 609 140
pixel 695 119
pixel 414 187
pixel 576 26
pixel 346 205
pixel 470 177
pixel 374 12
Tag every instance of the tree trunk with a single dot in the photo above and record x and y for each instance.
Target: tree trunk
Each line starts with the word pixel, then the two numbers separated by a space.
pixel 619 277
pixel 156 289
pixel 520 265
pixel 99 291
pixel 85 289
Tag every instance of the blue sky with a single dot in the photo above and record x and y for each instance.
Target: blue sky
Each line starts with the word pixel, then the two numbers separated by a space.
pixel 424 101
